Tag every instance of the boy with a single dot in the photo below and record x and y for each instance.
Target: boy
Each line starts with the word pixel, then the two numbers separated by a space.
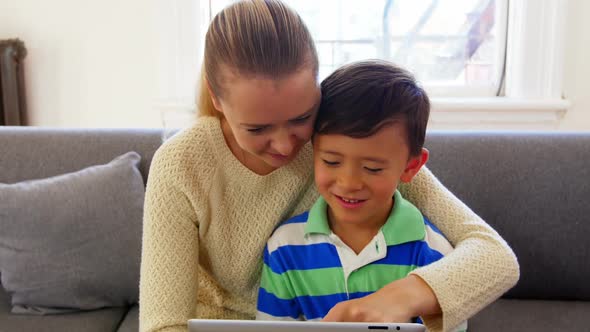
pixel 361 234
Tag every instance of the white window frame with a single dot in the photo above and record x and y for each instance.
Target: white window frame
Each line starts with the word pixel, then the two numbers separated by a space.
pixel 533 92
pixel 179 35
pixel 531 97
pixel 439 93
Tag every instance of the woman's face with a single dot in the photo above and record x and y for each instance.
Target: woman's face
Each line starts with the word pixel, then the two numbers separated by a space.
pixel 269 120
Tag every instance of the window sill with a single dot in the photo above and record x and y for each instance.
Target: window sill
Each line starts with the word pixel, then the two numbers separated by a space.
pixel 497 113
pixel 447 113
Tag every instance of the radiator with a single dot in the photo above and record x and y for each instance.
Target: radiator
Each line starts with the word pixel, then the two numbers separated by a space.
pixel 12 87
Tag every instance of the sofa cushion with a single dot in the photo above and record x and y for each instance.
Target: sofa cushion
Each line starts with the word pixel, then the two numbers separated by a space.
pixel 533 189
pixel 532 315
pixel 40 152
pixel 73 241
pixel 131 321
pixel 101 320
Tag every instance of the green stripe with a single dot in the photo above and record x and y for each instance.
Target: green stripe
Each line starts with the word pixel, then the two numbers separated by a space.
pixel 296 283
pixel 371 278
pixel 278 284
pixel 328 281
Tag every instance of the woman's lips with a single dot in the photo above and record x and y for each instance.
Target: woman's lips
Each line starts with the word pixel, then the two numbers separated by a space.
pixel 278 157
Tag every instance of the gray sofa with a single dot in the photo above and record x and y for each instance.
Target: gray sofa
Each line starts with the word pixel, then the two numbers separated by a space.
pixel 533 188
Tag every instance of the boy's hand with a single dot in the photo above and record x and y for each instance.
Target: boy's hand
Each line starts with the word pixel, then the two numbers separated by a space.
pixel 368 309
pixel 398 302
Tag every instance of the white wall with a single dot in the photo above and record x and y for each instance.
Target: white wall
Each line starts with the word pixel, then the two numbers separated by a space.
pixel 95 63
pixel 577 67
pixel 89 63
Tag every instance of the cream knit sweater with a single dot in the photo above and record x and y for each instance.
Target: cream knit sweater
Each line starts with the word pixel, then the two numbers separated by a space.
pixel 207 219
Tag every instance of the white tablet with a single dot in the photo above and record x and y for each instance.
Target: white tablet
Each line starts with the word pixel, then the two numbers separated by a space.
pixel 220 325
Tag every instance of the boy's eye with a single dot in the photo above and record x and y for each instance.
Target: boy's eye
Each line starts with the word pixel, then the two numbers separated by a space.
pixel 374 170
pixel 330 163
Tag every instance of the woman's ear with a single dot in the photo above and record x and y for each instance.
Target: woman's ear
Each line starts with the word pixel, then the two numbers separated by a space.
pixel 214 99
pixel 414 165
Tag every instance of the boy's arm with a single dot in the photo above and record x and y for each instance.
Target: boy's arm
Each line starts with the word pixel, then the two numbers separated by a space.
pixel 459 285
pixel 276 299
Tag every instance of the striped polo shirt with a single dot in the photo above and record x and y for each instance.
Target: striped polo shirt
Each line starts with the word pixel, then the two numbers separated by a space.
pixel 308 269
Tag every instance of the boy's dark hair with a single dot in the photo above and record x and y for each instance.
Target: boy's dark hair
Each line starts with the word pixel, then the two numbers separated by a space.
pixel 359 99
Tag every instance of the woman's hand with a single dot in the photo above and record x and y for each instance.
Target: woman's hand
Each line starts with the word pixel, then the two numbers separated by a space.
pixel 398 301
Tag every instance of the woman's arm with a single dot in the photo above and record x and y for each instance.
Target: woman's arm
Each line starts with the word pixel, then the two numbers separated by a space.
pixel 480 269
pixel 169 260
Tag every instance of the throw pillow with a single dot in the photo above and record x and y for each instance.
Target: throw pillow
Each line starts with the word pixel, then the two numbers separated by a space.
pixel 73 241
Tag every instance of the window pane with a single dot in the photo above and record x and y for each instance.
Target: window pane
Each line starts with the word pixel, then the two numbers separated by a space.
pixel 445 43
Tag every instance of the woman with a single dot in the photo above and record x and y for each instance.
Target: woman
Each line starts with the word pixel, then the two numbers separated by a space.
pixel 217 190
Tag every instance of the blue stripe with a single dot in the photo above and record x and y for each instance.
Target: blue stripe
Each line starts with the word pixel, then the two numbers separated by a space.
pixel 318 306
pixel 410 253
pixel 297 219
pixel 324 255
pixel 266 256
pixel 434 228
pixel 302 257
pixel 293 220
pixel 311 307
pixel 358 295
pixel 272 305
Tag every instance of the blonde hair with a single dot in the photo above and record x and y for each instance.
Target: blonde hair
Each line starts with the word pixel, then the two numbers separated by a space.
pixel 253 38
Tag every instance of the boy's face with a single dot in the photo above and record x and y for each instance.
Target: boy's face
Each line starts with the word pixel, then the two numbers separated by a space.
pixel 358 176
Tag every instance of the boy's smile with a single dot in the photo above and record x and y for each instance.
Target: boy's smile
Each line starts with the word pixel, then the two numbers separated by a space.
pixel 358 176
pixel 350 203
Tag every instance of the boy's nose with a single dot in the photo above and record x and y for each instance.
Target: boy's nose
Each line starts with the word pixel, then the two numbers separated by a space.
pixel 350 181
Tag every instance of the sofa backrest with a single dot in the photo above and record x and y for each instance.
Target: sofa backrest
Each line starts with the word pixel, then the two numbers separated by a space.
pixel 33 153
pixel 534 189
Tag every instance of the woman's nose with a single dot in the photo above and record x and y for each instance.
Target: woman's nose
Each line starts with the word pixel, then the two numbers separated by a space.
pixel 284 142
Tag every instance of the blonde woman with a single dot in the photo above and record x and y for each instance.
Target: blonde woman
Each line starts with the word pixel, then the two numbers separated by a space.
pixel 217 190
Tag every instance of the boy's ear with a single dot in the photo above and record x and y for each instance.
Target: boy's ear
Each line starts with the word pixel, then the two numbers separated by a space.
pixel 214 98
pixel 414 165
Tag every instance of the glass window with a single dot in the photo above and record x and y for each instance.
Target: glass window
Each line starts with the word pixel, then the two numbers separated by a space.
pixel 454 47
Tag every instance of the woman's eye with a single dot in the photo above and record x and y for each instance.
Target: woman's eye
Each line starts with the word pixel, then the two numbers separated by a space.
pixel 255 130
pixel 330 163
pixel 374 170
pixel 301 120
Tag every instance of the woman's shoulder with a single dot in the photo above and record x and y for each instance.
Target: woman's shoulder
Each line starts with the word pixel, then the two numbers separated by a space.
pixel 189 147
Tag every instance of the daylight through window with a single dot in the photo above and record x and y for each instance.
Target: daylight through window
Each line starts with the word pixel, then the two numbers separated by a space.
pixel 454 47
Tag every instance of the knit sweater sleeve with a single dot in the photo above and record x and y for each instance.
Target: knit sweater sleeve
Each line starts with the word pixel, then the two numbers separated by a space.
pixel 480 269
pixel 169 260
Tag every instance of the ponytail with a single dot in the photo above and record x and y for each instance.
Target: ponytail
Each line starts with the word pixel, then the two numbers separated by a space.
pixel 204 103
